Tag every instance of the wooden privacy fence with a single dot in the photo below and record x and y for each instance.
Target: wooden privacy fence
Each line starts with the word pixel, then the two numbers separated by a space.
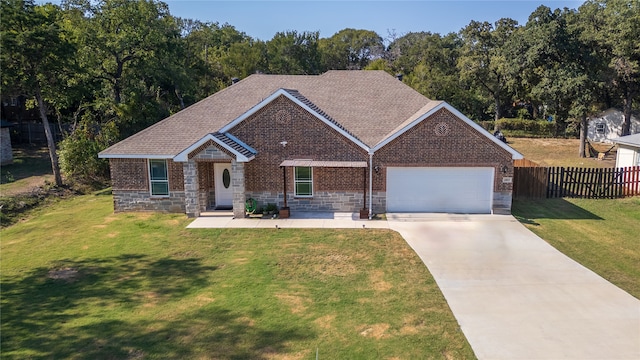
pixel 591 183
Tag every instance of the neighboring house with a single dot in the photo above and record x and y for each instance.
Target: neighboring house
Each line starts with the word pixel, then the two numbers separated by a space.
pixel 608 125
pixel 628 153
pixel 341 141
pixel 6 151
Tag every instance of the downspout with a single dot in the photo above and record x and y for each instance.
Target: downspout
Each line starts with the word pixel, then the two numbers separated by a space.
pixel 370 185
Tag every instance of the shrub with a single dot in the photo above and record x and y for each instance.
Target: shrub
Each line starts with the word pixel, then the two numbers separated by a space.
pixel 537 128
pixel 79 160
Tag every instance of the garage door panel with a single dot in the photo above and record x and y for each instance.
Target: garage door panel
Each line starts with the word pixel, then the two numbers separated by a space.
pixel 455 190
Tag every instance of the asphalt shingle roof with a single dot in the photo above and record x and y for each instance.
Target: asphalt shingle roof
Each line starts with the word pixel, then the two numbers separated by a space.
pixel 370 105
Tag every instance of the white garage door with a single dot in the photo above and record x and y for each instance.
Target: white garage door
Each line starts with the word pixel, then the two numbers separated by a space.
pixel 466 190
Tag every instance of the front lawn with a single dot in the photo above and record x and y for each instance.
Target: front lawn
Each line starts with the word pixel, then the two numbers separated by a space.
pixel 603 235
pixel 81 282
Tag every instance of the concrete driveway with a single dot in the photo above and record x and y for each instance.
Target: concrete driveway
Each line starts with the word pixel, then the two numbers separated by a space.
pixel 515 296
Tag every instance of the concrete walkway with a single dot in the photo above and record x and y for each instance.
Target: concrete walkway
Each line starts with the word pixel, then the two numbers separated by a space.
pixel 516 297
pixel 326 220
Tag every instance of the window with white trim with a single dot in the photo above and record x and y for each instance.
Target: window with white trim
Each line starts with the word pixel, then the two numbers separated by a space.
pixel 600 128
pixel 158 177
pixel 303 181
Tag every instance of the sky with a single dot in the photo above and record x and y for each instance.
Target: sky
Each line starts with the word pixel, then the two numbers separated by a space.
pixel 263 19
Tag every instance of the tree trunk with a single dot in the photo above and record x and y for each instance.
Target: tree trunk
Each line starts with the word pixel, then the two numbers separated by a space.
pixel 498 114
pixel 584 126
pixel 50 142
pixel 536 113
pixel 626 124
pixel 179 96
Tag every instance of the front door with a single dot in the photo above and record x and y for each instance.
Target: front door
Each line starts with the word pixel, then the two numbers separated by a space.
pixel 224 191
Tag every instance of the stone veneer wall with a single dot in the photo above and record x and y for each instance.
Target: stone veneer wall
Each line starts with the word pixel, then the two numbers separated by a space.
pixel 502 202
pixel 6 152
pixel 237 183
pixel 133 200
pixel 341 201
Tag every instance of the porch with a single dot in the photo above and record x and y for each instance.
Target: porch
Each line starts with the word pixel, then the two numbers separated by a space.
pixel 297 220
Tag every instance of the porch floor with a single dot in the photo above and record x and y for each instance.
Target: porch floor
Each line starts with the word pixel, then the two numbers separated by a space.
pixel 298 219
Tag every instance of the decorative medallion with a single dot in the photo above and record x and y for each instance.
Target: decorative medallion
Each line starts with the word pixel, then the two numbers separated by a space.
pixel 441 129
pixel 282 117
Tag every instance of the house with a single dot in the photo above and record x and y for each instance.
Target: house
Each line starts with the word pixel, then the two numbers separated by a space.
pixel 628 150
pixel 608 125
pixel 6 151
pixel 340 141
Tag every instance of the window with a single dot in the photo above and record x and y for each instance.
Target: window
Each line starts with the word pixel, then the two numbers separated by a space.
pixel 600 127
pixel 158 177
pixel 303 181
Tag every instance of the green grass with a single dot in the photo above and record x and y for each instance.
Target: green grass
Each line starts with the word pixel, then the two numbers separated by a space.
pixel 79 282
pixel 31 168
pixel 603 235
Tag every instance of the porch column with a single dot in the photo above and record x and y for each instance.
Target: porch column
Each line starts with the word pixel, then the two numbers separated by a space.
pixel 192 206
pixel 237 183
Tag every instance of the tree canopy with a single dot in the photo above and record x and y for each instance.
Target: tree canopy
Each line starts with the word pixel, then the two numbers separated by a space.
pixel 113 67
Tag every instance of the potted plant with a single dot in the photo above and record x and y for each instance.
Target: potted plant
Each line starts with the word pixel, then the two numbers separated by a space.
pixel 271 209
pixel 284 212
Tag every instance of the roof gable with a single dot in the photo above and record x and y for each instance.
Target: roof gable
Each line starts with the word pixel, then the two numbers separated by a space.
pixel 430 110
pixel 299 99
pixel 233 145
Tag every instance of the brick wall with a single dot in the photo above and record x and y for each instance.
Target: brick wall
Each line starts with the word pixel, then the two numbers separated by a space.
pixel 176 176
pixel 443 140
pixel 307 138
pixel 129 174
pixel 133 174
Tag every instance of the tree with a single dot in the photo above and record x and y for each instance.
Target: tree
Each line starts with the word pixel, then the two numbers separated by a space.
pixel 550 64
pixel 350 49
pixel 132 50
pixel 294 53
pixel 36 60
pixel 592 68
pixel 429 62
pixel 482 60
pixel 217 54
pixel 615 25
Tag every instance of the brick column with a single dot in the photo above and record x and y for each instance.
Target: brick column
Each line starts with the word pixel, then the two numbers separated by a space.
pixel 237 183
pixel 192 206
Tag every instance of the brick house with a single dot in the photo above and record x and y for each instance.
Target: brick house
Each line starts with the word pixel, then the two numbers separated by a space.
pixel 341 141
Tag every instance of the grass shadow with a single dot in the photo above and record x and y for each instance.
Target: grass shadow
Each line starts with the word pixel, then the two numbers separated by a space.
pixel 525 210
pixel 56 312
pixel 28 161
